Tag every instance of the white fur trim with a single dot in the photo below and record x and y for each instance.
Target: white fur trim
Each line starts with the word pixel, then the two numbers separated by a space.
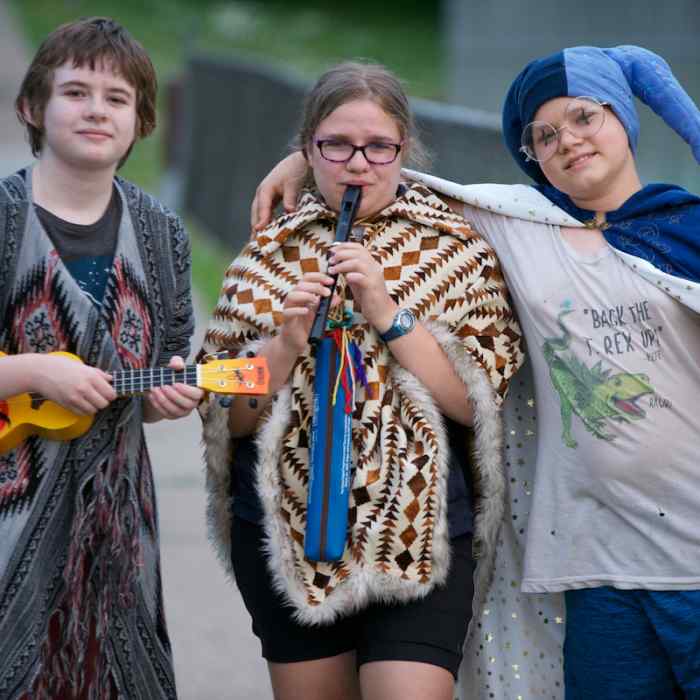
pixel 218 451
pixel 487 458
pixel 365 585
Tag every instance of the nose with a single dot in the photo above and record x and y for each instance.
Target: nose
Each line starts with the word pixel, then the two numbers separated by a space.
pixel 566 137
pixel 358 162
pixel 96 107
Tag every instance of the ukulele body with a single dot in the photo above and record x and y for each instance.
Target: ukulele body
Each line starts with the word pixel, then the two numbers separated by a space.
pixel 23 415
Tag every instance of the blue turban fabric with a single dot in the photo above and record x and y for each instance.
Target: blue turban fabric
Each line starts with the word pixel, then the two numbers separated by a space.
pixel 659 224
pixel 615 76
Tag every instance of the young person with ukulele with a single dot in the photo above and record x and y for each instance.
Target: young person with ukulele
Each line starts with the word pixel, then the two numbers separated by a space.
pixel 91 265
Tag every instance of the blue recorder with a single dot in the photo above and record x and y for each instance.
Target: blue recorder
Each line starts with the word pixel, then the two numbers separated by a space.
pixel 330 472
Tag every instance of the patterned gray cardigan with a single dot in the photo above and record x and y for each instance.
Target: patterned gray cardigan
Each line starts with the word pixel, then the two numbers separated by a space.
pixel 79 555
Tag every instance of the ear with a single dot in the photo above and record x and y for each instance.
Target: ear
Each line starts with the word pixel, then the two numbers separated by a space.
pixel 28 116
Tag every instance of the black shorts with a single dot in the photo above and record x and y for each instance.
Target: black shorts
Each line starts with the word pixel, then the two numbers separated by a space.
pixel 430 630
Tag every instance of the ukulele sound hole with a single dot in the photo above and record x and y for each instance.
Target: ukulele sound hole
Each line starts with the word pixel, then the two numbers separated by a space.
pixel 37 402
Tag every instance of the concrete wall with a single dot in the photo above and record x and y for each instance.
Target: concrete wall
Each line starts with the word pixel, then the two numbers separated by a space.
pixel 489 41
pixel 240 119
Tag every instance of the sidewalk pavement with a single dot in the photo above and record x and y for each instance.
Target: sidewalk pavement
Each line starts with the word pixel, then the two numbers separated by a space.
pixel 216 655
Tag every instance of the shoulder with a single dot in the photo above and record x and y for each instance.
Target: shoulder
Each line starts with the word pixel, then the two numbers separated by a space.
pixel 418 204
pixel 152 218
pixel 13 189
pixel 140 201
pixel 418 201
pixel 311 210
pixel 522 202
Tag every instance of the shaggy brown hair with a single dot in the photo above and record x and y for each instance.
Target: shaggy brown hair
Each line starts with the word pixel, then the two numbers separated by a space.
pixel 92 41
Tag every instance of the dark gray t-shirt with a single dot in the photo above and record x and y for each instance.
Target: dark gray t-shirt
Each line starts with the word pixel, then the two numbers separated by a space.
pixel 86 250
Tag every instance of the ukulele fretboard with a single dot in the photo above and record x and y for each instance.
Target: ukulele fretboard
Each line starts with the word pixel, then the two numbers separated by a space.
pixel 136 381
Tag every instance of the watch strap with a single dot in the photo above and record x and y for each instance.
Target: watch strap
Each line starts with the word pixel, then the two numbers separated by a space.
pixel 403 323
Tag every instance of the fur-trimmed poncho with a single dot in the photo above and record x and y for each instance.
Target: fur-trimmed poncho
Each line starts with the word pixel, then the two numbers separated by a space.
pixel 397 545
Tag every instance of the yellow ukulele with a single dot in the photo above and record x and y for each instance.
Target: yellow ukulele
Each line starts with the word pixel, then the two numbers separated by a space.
pixel 30 414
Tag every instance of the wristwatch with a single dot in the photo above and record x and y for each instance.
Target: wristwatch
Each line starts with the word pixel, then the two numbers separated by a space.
pixel 404 322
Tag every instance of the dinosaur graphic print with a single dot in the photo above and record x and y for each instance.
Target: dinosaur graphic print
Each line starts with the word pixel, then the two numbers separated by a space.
pixel 594 394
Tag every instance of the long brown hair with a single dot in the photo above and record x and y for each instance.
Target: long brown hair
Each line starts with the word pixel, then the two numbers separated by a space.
pixel 353 80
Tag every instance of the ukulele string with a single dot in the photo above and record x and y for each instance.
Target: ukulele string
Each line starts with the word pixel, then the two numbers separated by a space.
pixel 189 373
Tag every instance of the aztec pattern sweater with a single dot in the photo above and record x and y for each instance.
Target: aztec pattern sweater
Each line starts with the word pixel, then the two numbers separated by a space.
pixel 397 546
pixel 80 594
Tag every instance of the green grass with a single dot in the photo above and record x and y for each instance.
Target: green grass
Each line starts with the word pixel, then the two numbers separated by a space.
pixel 305 37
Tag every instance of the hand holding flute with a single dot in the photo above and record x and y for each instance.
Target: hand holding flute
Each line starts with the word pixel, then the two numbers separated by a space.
pixel 349 207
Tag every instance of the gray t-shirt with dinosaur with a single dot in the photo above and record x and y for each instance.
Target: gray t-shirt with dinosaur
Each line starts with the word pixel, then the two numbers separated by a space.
pixel 616 497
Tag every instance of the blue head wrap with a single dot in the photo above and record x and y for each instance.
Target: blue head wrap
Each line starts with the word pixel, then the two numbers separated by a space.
pixel 614 76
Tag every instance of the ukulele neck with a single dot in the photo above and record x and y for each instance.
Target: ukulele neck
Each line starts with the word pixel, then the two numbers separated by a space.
pixel 136 381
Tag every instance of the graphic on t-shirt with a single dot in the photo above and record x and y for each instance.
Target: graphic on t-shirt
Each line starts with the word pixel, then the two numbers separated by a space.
pixel 594 394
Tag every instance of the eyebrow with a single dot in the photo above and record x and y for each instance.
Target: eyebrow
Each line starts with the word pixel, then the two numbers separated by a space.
pixel 81 84
pixel 372 138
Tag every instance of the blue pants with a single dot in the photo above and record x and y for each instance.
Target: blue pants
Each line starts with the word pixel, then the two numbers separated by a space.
pixel 632 645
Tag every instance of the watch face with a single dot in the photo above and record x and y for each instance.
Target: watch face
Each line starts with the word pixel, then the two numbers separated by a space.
pixel 406 320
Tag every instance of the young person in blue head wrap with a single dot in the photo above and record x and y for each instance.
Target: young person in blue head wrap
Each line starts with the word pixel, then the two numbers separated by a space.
pixel 604 273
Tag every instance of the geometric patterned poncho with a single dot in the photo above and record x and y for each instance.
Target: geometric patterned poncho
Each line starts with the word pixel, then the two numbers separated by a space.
pixel 397 543
pixel 81 611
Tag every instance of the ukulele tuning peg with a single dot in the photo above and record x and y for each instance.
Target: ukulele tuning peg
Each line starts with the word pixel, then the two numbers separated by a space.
pixel 221 355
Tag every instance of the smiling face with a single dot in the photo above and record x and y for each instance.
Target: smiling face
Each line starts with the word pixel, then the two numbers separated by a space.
pixel 598 172
pixel 358 122
pixel 89 121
